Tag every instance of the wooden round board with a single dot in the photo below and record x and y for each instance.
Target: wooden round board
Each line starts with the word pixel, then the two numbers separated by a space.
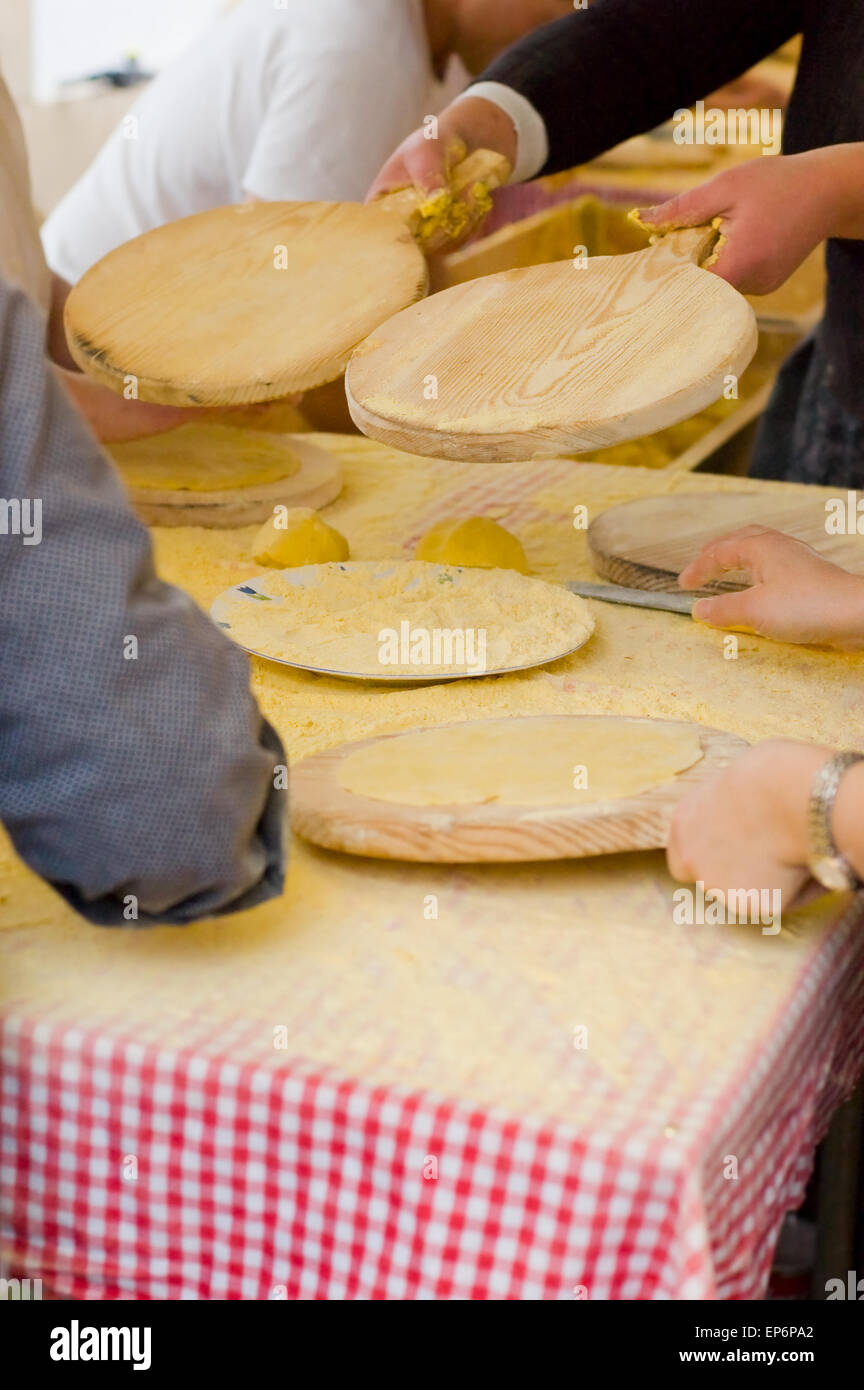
pixel 558 358
pixel 646 544
pixel 256 301
pixel 316 483
pixel 326 813
pixel 241 304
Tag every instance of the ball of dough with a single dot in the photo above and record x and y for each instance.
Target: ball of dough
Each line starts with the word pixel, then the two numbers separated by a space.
pixel 478 541
pixel 295 536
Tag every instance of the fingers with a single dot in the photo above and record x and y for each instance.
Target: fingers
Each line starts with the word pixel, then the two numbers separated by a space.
pixel 727 610
pixel 758 550
pixel 739 550
pixel 694 208
pixel 735 261
pixel 419 162
pixel 697 208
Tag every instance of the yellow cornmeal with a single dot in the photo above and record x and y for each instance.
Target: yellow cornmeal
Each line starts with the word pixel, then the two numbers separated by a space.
pixel 204 458
pixel 718 245
pixel 637 663
pixel 442 213
pixel 529 764
pixel 337 621
pixel 655 236
pixel 479 1002
pixel 662 448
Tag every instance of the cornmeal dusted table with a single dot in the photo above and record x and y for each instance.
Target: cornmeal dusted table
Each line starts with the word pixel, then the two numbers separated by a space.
pixel 372 1087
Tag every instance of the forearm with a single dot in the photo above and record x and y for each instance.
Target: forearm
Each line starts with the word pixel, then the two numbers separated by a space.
pixel 136 774
pixel 604 74
pixel 839 172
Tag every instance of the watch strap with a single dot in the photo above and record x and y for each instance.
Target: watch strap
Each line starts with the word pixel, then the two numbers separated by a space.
pixel 827 864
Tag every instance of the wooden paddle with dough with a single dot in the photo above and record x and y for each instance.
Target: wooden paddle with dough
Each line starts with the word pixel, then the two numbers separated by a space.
pixel 253 302
pixel 385 798
pixel 557 358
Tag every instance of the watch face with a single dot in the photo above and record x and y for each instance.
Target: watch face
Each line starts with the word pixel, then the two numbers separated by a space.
pixel 832 874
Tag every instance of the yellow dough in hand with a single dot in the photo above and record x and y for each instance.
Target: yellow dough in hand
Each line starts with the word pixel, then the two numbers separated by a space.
pixel 295 536
pixel 478 541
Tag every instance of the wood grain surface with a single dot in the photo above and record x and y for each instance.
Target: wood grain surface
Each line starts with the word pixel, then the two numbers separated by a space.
pixel 323 811
pixel 553 233
pixel 252 302
pixel 646 544
pixel 317 482
pixel 208 311
pixel 550 359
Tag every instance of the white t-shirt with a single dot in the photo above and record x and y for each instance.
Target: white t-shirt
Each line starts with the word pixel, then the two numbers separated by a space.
pixel 303 99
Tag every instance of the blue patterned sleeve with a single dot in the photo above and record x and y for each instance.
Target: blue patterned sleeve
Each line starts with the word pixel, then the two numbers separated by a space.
pixel 136 773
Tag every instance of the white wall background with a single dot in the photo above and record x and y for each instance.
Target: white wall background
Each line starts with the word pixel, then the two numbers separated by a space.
pixel 71 38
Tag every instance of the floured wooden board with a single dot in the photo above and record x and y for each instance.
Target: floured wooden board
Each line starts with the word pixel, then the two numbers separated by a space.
pixel 646 544
pixel 249 303
pixel 503 789
pixel 559 358
pixel 216 475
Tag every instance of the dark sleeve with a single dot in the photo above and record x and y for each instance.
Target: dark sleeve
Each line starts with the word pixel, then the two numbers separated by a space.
pixel 602 75
pixel 136 773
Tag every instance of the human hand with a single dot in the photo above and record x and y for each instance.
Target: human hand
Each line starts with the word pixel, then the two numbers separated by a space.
pixel 747 828
pixel 465 126
pixel 113 419
pixel 795 595
pixel 774 212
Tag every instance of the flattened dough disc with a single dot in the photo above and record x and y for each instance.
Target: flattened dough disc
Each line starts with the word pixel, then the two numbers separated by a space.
pixel 253 302
pixel 556 358
pixel 311 476
pixel 347 798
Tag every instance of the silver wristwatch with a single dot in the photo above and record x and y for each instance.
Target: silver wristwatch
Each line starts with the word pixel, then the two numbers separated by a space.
pixel 827 865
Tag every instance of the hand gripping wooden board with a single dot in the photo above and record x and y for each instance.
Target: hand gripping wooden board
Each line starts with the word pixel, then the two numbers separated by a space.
pixel 323 811
pixel 646 544
pixel 317 481
pixel 557 358
pixel 253 302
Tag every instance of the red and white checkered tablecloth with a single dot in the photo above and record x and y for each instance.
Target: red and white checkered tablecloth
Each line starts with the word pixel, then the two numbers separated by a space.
pixel 135 1171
